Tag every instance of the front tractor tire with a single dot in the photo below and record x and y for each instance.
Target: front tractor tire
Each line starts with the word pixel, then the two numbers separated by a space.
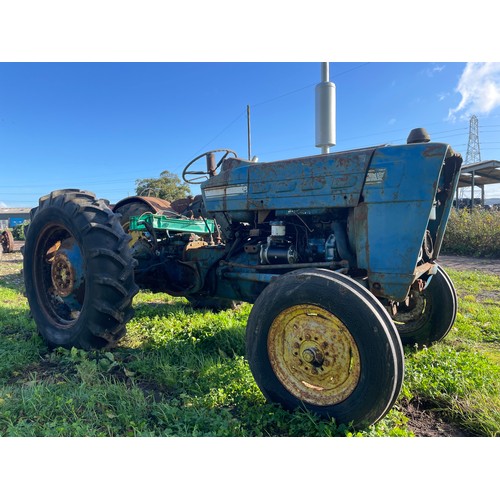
pixel 78 271
pixel 430 315
pixel 319 340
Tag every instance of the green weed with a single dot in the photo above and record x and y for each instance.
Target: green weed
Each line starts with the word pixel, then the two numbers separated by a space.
pixel 475 233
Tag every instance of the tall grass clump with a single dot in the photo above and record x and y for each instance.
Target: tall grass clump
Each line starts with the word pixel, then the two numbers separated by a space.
pixel 473 233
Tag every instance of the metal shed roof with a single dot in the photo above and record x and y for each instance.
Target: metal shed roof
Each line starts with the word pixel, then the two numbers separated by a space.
pixel 10 211
pixel 483 172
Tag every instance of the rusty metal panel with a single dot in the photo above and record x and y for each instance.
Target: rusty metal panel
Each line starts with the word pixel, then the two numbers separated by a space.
pixel 314 182
pixel 405 173
pixel 332 180
pixel 389 227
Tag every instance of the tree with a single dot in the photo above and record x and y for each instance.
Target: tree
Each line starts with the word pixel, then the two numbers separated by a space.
pixel 19 231
pixel 168 187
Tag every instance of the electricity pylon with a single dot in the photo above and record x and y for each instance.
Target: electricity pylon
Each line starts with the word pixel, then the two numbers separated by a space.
pixel 473 151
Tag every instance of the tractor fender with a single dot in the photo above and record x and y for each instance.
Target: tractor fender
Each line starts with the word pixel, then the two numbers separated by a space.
pixel 156 205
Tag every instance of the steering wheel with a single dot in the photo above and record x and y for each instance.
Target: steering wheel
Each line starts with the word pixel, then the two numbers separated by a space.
pixel 212 167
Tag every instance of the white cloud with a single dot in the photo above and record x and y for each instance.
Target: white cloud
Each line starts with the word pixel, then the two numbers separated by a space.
pixel 479 86
pixel 3 205
pixel 430 71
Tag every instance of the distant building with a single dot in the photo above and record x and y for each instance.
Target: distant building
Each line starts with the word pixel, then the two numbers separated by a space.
pixel 11 217
pixel 478 175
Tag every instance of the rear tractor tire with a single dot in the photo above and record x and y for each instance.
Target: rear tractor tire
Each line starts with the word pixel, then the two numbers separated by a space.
pixel 319 340
pixel 78 271
pixel 131 209
pixel 6 241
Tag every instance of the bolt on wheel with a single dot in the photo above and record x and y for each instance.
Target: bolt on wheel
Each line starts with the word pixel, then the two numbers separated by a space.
pixel 313 355
pixel 60 276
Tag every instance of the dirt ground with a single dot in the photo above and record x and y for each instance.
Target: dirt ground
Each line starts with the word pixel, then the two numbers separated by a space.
pixel 423 422
pixel 470 263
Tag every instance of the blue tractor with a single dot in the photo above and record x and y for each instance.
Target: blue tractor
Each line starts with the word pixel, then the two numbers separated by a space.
pixel 337 253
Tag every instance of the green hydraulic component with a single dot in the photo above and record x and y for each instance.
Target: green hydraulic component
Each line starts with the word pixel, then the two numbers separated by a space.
pixel 163 223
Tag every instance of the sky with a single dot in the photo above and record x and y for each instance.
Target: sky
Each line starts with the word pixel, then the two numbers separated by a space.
pixel 101 126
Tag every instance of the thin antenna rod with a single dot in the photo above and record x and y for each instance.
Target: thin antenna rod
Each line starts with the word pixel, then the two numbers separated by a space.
pixel 248 129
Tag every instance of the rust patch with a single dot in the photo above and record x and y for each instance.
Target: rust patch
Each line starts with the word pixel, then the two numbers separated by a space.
pixel 433 150
pixel 314 355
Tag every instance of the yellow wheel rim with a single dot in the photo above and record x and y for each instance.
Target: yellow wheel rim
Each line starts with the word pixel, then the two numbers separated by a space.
pixel 313 355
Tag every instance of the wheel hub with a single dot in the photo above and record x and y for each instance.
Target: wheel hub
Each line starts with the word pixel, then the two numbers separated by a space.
pixel 66 270
pixel 314 355
pixel 63 275
pixel 408 317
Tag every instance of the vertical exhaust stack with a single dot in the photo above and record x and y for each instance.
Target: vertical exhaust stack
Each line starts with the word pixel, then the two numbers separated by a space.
pixel 325 111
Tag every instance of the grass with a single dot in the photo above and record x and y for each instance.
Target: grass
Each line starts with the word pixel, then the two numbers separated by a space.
pixel 460 377
pixel 181 372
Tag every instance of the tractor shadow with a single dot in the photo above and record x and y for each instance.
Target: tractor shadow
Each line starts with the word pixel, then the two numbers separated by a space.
pixel 11 272
pixel 16 320
pixel 179 329
pixel 13 281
